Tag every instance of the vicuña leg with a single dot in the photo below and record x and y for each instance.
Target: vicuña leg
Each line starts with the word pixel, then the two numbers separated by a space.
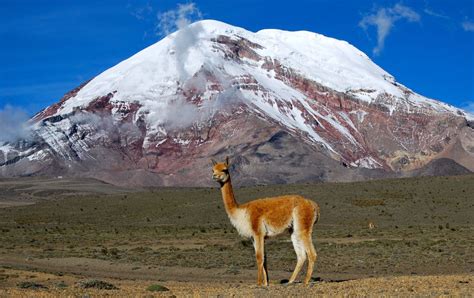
pixel 300 255
pixel 265 267
pixel 259 243
pixel 312 256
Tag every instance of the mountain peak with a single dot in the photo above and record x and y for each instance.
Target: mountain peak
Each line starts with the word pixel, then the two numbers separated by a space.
pixel 155 71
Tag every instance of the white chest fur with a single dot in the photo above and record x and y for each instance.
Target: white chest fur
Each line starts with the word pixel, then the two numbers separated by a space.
pixel 241 221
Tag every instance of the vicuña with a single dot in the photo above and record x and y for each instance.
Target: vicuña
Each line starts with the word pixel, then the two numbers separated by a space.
pixel 269 217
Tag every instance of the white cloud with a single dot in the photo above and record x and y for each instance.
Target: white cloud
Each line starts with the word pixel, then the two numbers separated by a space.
pixel 400 11
pixel 384 20
pixel 14 124
pixel 468 26
pixel 177 18
pixel 177 112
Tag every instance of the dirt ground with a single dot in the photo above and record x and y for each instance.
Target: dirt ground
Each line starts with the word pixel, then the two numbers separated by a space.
pixel 69 285
pixel 53 237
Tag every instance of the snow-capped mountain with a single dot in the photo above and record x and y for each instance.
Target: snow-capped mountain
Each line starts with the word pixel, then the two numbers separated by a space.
pixel 286 106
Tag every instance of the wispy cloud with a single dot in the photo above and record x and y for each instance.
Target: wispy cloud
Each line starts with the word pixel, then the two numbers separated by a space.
pixel 468 26
pixel 181 16
pixel 384 19
pixel 141 12
pixel 435 14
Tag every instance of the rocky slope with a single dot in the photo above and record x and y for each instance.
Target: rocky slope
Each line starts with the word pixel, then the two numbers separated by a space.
pixel 286 106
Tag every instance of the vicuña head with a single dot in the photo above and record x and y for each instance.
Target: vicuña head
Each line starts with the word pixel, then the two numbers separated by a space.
pixel 269 217
pixel 220 171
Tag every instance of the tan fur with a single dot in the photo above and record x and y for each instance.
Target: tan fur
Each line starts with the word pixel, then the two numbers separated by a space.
pixel 269 217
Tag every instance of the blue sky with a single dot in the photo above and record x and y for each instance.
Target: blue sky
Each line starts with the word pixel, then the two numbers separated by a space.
pixel 50 47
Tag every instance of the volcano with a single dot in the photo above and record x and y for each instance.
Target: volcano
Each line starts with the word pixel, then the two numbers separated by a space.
pixel 287 107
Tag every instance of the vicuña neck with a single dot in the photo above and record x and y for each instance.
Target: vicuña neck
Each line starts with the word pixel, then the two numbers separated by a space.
pixel 228 197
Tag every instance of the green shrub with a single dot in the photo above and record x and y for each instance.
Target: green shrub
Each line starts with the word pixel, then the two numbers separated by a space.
pixel 157 288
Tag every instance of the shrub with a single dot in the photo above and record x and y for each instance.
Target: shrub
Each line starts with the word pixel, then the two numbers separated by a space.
pixel 31 285
pixel 96 284
pixel 157 288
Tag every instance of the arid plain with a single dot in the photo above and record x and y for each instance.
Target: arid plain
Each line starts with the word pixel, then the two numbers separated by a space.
pixel 63 237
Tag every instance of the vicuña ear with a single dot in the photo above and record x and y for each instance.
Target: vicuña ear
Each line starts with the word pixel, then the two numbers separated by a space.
pixel 213 162
pixel 227 161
